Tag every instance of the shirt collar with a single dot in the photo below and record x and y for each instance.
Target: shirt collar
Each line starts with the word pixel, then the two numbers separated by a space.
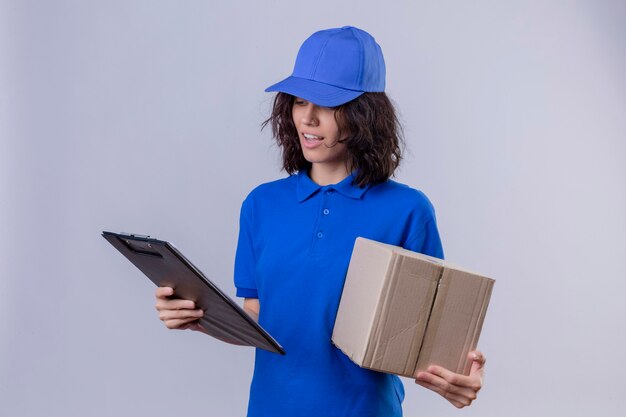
pixel 307 187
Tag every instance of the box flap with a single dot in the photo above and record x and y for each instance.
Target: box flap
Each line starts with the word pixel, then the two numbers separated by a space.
pixel 402 314
pixel 455 321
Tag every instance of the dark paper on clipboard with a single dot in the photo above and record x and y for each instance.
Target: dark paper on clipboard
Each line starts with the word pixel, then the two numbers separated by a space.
pixel 165 266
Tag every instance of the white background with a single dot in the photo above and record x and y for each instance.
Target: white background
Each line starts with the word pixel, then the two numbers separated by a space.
pixel 143 116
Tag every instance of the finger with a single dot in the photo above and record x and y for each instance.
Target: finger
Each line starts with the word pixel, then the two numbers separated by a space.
pixel 456 400
pixel 478 363
pixel 166 304
pixel 180 314
pixel 451 377
pixel 473 382
pixel 179 324
pixel 466 392
pixel 477 356
pixel 164 292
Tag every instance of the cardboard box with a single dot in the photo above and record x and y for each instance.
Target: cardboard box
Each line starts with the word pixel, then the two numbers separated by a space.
pixel 402 311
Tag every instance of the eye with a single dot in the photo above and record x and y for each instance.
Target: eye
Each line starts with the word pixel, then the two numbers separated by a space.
pixel 300 101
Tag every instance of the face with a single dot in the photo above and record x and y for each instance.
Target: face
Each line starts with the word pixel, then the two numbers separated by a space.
pixel 319 134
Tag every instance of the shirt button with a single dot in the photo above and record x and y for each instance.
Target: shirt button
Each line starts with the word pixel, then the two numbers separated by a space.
pixel 320 235
pixel 326 212
pixel 329 192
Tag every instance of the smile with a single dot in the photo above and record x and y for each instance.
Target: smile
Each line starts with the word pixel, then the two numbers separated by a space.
pixel 311 141
pixel 309 137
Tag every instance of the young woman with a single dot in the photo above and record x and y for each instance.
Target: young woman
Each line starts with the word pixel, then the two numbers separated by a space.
pixel 341 142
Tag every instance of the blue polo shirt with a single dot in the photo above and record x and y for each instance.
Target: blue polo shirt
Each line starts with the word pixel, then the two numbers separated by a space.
pixel 295 242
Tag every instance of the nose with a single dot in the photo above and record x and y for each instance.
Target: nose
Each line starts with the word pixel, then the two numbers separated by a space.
pixel 309 116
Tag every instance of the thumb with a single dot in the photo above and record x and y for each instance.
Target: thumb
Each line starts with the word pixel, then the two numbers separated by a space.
pixel 478 362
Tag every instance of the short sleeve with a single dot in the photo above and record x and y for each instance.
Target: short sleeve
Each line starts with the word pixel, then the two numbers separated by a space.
pixel 427 241
pixel 424 238
pixel 245 259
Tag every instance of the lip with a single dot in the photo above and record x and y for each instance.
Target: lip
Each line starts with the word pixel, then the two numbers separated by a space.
pixel 310 143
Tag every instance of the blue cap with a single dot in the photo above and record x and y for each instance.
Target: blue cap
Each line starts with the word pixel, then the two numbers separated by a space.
pixel 335 66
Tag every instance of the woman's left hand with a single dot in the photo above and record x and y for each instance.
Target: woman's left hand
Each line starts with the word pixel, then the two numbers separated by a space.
pixel 459 389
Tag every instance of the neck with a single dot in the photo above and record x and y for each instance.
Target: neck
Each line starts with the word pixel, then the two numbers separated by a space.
pixel 324 174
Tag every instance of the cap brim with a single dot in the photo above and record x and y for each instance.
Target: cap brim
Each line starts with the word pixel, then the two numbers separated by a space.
pixel 325 95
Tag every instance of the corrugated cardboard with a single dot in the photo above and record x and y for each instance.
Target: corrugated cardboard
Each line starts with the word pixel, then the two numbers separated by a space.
pixel 402 311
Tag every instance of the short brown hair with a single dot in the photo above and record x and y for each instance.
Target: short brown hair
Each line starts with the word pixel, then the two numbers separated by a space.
pixel 374 144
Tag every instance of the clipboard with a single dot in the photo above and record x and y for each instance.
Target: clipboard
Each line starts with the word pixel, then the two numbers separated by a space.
pixel 165 266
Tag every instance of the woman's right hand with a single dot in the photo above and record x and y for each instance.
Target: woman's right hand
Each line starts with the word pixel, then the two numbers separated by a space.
pixel 177 313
